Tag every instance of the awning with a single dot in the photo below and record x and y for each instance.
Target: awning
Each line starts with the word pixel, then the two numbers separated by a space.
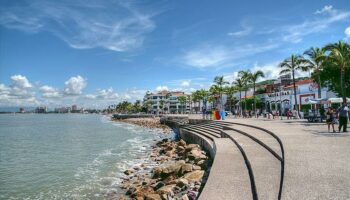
pixel 319 101
pixel 338 100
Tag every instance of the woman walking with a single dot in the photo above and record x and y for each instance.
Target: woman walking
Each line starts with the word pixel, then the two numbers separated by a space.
pixel 330 119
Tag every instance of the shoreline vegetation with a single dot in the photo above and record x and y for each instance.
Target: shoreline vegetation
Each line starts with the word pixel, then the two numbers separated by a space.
pixel 179 173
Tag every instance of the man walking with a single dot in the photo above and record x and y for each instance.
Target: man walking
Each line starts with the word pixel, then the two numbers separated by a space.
pixel 343 112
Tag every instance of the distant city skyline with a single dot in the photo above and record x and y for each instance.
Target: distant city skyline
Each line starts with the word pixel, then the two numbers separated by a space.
pixel 94 53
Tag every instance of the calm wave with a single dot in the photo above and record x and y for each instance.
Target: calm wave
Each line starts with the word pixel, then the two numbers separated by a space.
pixel 71 156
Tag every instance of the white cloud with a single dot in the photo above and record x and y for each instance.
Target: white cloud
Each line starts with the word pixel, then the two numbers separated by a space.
pixel 347 32
pixel 231 77
pixel 325 9
pixel 214 56
pixel 272 71
pixel 4 89
pixel 245 31
pixel 161 88
pixel 50 92
pixel 20 92
pixel 74 85
pixel 20 81
pixel 114 25
pixel 185 83
pixel 104 94
pixel 207 57
pixel 295 33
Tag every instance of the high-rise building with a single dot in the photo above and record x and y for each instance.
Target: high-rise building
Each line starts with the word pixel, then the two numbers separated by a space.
pixel 41 109
pixel 74 107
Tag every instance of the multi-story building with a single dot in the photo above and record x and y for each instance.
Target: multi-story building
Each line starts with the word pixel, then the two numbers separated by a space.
pixel 63 110
pixel 279 95
pixel 282 96
pixel 74 107
pixel 41 109
pixel 166 102
pixel 21 110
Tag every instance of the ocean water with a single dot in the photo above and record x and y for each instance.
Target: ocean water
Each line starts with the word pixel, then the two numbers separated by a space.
pixel 67 156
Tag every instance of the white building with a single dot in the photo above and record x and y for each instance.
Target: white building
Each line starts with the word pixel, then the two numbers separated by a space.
pixel 284 96
pixel 166 102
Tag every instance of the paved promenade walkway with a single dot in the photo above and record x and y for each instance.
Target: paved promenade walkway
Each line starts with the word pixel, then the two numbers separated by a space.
pixel 317 163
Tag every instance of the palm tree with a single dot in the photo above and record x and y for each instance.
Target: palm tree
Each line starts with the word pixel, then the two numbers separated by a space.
pixel 189 99
pixel 214 92
pixel 253 78
pixel 290 66
pixel 245 76
pixel 167 97
pixel 230 91
pixel 195 97
pixel 182 101
pixel 161 105
pixel 317 56
pixel 339 54
pixel 220 82
pixel 239 84
pixel 203 96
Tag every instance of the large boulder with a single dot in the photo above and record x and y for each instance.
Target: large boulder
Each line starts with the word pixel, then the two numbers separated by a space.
pixel 186 168
pixel 182 143
pixel 168 190
pixel 184 197
pixel 157 171
pixel 194 176
pixel 152 197
pixel 181 182
pixel 129 171
pixel 174 168
pixel 196 154
pixel 192 146
pixel 163 172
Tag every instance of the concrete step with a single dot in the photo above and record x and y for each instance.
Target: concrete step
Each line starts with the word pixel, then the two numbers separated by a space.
pixel 228 177
pixel 205 133
pixel 260 135
pixel 265 166
pixel 210 128
pixel 213 133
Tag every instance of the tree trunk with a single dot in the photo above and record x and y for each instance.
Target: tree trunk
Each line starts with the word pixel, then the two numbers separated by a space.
pixel 199 105
pixel 240 102
pixel 254 100
pixel 230 104
pixel 245 100
pixel 319 84
pixel 295 95
pixel 342 83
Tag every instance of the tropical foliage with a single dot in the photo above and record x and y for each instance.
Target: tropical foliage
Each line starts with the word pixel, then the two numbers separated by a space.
pixel 127 107
pixel 338 56
pixel 292 65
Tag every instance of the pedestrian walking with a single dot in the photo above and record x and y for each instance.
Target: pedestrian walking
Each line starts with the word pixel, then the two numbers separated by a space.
pixel 343 112
pixel 330 119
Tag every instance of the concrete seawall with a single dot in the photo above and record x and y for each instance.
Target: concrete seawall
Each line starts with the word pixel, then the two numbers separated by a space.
pixel 239 158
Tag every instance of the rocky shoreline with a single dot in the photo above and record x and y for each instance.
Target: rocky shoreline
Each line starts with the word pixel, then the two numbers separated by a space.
pixel 179 172
pixel 146 123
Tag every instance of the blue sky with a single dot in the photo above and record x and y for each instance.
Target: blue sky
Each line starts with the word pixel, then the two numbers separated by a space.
pixel 94 53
